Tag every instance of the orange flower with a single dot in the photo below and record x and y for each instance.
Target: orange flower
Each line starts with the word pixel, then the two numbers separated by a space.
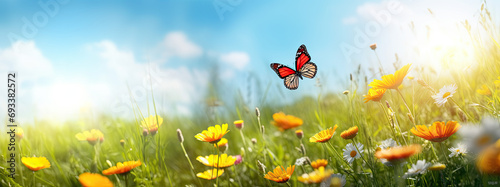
pixel 374 95
pixel 438 132
pixel 152 124
pixel 284 122
pixel 391 81
pixel 280 175
pixel 484 90
pixel 317 176
pixel 94 180
pixel 210 174
pixel 122 167
pixel 213 134
pixel 489 159
pixel 319 163
pixel 349 133
pixel 324 135
pixel 35 163
pixel 397 153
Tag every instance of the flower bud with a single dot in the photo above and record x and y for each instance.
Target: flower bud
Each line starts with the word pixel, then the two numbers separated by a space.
pixel 238 159
pixel 122 142
pixel 257 111
pixel 373 46
pixel 254 141
pixel 299 134
pixel 145 132
pixel 262 129
pixel 346 92
pixel 179 136
pixel 242 151
pixel 238 124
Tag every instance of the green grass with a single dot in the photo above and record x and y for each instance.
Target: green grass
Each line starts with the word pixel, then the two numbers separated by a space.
pixel 164 163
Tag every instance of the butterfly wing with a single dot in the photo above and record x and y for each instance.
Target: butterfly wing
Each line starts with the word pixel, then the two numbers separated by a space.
pixel 302 57
pixel 292 81
pixel 282 70
pixel 308 70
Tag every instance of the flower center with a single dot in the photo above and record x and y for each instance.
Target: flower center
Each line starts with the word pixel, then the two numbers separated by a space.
pixel 483 140
pixel 353 153
pixel 458 150
pixel 446 94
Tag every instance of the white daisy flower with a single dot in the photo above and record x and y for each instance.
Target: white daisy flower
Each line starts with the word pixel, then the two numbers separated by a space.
pixel 388 143
pixel 478 137
pixel 351 153
pixel 444 93
pixel 301 161
pixel 461 149
pixel 341 180
pixel 419 168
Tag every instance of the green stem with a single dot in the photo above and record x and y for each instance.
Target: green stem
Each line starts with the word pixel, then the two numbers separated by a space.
pixel 404 101
pixel 218 159
pixel 126 180
pixel 34 179
pixel 459 107
pixel 190 164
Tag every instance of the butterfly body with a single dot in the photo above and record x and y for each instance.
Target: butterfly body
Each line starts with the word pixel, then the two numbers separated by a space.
pixel 303 68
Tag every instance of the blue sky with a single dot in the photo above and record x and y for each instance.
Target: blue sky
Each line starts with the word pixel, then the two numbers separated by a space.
pixel 84 55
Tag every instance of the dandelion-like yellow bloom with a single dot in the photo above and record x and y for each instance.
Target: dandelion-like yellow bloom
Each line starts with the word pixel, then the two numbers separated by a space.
pixel 94 180
pixel 210 174
pixel 349 133
pixel 152 123
pixel 120 168
pixel 284 122
pixel 484 90
pixel 489 159
pixel 374 95
pixel 211 160
pixel 324 135
pixel 437 167
pixel 19 133
pixel 35 163
pixel 319 163
pixel 398 153
pixel 213 134
pixel 317 176
pixel 391 81
pixel 91 136
pixel 438 132
pixel 221 143
pixel 280 175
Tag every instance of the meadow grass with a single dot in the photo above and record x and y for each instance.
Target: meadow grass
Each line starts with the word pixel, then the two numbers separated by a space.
pixel 164 162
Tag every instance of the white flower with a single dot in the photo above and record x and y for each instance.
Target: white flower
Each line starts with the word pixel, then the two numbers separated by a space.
pixel 351 153
pixel 388 143
pixel 478 137
pixel 444 93
pixel 419 168
pixel 327 182
pixel 461 149
pixel 301 161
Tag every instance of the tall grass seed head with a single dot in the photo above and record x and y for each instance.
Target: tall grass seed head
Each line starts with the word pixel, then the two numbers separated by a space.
pixel 257 111
pixel 254 141
pixel 179 136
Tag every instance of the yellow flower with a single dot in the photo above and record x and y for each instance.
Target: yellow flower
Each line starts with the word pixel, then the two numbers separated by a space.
pixel 319 163
pixel 484 90
pixel 92 137
pixel 489 159
pixel 398 153
pixel 437 167
pixel 391 81
pixel 324 135
pixel 317 176
pixel 211 160
pixel 284 122
pixel 94 180
pixel 374 95
pixel 213 134
pixel 410 77
pixel 152 123
pixel 210 174
pixel 280 175
pixel 349 133
pixel 238 124
pixel 438 132
pixel 19 133
pixel 35 163
pixel 120 168
pixel 221 143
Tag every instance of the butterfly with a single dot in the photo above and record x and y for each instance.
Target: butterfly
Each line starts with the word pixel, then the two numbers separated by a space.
pixel 303 68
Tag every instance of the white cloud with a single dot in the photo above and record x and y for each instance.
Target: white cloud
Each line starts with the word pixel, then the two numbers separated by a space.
pixel 25 58
pixel 236 59
pixel 349 20
pixel 177 44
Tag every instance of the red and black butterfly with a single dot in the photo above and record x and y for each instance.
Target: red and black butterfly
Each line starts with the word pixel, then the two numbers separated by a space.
pixel 303 68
